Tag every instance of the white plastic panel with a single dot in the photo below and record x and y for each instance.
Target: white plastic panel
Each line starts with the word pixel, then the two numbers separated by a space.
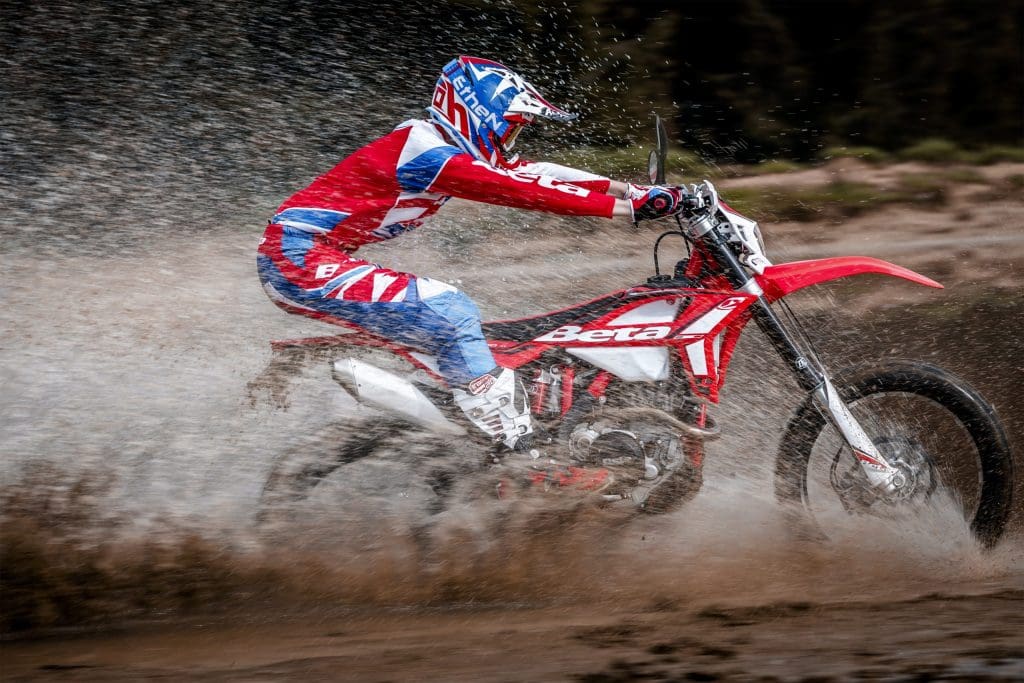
pixel 717 349
pixel 660 311
pixel 707 322
pixel 633 364
pixel 698 361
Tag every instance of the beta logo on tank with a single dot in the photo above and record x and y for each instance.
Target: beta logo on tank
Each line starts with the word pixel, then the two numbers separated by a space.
pixel 570 333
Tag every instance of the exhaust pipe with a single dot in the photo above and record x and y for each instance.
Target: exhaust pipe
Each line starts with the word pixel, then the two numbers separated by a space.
pixel 385 390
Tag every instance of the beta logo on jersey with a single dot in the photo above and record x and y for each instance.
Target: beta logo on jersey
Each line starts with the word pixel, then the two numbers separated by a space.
pixel 541 180
pixel 326 270
pixel 571 333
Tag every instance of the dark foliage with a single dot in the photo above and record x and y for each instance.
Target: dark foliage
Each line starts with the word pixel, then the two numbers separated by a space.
pixel 272 85
pixel 750 79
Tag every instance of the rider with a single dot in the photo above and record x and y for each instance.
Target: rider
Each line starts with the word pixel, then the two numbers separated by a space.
pixel 307 259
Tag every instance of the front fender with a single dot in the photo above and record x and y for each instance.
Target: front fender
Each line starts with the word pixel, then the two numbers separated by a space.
pixel 785 278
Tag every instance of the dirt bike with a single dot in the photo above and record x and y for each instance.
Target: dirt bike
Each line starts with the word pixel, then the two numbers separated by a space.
pixel 625 380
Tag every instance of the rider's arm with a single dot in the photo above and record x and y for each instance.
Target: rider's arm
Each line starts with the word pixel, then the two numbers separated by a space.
pixel 637 202
pixel 462 176
pixel 591 181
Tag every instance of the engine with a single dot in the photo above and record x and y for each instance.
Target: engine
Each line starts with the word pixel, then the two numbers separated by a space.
pixel 651 451
pixel 644 450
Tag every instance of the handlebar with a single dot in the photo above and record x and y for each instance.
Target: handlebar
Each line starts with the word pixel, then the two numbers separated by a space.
pixel 703 215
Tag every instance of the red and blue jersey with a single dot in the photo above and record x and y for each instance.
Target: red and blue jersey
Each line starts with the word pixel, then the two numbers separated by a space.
pixel 393 184
pixel 381 191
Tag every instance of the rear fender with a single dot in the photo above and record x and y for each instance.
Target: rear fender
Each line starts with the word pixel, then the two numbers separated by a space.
pixel 782 279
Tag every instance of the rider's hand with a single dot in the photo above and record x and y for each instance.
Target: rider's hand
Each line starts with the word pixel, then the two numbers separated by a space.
pixel 649 203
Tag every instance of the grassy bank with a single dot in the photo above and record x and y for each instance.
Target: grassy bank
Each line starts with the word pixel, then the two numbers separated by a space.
pixel 631 162
pixel 949 167
pixel 931 150
pixel 836 199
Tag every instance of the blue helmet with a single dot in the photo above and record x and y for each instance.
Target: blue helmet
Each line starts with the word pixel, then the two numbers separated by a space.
pixel 483 105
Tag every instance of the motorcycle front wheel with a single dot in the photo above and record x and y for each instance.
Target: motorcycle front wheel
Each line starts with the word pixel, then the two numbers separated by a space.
pixel 932 425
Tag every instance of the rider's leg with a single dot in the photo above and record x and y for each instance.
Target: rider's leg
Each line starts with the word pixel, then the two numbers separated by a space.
pixel 307 278
pixel 303 276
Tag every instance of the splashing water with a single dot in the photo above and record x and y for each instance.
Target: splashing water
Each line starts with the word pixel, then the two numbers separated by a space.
pixel 132 461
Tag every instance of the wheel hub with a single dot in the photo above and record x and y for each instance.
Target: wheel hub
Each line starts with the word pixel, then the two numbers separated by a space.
pixel 913 482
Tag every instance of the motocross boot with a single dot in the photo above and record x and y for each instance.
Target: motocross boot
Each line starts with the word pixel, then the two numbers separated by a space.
pixel 497 404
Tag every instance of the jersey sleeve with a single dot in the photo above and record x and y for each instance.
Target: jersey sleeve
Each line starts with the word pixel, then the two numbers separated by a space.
pixel 590 181
pixel 463 176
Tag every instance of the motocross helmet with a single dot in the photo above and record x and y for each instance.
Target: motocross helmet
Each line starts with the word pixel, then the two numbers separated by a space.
pixel 484 105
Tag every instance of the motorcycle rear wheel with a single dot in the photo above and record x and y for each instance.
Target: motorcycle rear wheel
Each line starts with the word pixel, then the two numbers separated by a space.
pixel 313 480
pixel 932 423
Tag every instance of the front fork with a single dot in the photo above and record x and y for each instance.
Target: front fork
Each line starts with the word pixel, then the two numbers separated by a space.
pixel 878 470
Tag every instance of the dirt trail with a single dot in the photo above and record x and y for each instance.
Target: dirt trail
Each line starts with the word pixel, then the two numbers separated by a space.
pixel 936 637
pixel 155 393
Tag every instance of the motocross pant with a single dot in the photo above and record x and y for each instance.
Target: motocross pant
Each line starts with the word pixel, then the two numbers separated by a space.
pixel 302 275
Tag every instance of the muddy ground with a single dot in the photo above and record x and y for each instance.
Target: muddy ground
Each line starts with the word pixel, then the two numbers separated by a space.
pixel 145 378
pixel 962 637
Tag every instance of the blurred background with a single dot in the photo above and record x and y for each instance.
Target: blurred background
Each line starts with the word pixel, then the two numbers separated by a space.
pixel 249 97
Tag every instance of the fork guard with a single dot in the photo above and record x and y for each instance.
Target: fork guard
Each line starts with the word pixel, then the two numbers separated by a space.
pixel 782 279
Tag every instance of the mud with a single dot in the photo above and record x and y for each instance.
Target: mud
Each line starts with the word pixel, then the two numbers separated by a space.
pixel 717 595
pixel 133 463
pixel 934 637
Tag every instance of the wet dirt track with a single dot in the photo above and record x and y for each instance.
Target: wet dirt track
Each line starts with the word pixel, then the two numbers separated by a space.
pixel 713 592
pixel 142 148
pixel 934 637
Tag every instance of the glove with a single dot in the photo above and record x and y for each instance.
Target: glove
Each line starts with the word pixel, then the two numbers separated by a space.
pixel 649 203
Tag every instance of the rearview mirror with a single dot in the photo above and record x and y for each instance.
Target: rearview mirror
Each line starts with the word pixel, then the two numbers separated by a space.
pixel 656 161
pixel 654 169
